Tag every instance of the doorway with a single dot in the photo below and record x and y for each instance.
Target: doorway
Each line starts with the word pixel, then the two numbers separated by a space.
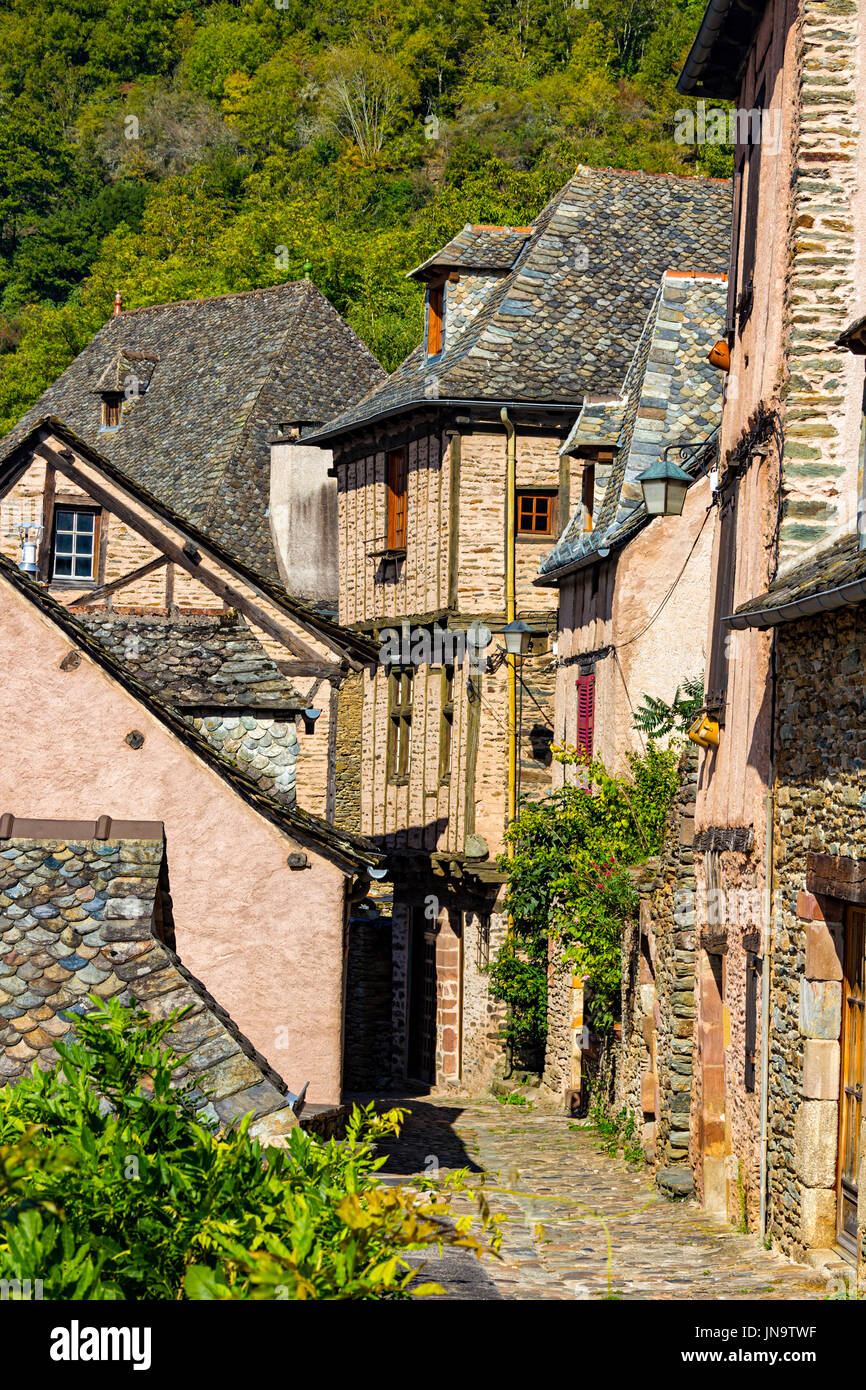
pixel 851 1085
pixel 421 1060
pixel 713 1090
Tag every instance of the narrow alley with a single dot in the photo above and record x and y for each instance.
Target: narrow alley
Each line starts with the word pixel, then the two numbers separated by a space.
pixel 560 1198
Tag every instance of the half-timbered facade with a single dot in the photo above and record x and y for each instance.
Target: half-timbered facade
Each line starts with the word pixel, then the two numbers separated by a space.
pixel 452 486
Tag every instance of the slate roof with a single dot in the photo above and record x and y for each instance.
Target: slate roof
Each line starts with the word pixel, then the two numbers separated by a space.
pixel 11 451
pixel 565 319
pixel 477 248
pixel 230 370
pixel 670 396
pixel 348 850
pixel 78 916
pixel 836 578
pixel 196 660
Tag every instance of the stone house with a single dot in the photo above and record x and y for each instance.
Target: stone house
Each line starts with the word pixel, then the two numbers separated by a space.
pixel 633 590
pixel 452 484
pixel 180 511
pixel 774 908
pixel 260 890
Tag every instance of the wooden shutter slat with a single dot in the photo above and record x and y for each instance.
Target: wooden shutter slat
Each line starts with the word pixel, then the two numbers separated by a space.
pixel 585 715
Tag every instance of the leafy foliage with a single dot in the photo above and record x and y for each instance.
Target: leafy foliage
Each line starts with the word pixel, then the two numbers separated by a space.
pixel 567 880
pixel 657 717
pixel 258 142
pixel 113 1185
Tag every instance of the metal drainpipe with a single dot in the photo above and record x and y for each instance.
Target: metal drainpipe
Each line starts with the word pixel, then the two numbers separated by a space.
pixel 510 610
pixel 768 937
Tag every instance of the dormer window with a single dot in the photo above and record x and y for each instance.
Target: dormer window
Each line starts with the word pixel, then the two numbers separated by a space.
pixel 435 318
pixel 112 409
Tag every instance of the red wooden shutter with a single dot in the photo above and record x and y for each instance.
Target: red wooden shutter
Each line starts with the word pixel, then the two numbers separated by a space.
pixel 398 481
pixel 585 715
pixel 435 314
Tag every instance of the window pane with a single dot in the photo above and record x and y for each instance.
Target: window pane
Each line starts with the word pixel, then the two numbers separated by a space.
pixel 64 543
pixel 63 564
pixel 82 567
pixel 85 521
pixel 65 521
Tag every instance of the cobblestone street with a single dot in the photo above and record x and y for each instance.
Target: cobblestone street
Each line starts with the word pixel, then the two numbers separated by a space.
pixel 560 1198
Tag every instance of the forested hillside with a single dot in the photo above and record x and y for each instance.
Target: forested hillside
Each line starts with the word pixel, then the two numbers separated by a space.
pixel 171 151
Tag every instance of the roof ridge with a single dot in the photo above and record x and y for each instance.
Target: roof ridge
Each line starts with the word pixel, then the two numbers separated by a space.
pixel 205 299
pixel 646 173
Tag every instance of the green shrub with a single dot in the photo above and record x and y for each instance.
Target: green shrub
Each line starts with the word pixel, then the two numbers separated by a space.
pixel 114 1186
pixel 567 881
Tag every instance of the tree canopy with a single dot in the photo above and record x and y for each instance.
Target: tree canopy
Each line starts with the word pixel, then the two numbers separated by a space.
pixel 171 151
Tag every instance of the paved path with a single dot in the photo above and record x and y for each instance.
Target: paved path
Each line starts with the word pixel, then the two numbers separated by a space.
pixel 561 1197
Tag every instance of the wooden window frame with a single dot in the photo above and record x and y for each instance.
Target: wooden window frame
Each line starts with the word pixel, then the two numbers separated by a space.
pixel 112 411
pixel 535 494
pixel 584 739
pixel 587 493
pixel 435 331
pixel 446 724
pixel 399 751
pixel 72 581
pixel 397 489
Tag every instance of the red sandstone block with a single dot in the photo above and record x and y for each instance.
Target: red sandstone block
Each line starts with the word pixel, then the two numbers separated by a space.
pixel 807 906
pixel 823 951
pixel 449 1040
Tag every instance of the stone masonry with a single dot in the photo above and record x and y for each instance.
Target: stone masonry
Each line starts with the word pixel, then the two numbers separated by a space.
pixel 658 1009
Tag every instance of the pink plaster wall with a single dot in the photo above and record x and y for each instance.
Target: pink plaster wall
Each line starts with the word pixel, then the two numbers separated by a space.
pixel 630 588
pixel 266 940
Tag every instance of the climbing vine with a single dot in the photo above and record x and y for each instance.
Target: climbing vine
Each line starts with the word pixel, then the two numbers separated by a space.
pixel 568 881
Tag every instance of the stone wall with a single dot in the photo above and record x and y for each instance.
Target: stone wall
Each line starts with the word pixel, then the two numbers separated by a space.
pixel 820 832
pixel 483 1017
pixel 658 1002
pixel 562 1054
pixel 347 753
pixel 367 1061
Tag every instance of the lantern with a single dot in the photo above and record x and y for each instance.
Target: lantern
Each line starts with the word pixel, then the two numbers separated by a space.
pixel 664 486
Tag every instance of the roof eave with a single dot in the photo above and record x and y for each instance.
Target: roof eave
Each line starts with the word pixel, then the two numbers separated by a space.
pixel 825 601
pixel 450 403
pixel 717 57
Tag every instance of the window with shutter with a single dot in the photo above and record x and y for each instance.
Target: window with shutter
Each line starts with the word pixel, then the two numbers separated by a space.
pixel 399 747
pixel 585 715
pixel 398 487
pixel 723 602
pixel 435 319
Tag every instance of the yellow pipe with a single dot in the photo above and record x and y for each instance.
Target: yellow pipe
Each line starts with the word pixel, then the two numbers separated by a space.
pixel 510 608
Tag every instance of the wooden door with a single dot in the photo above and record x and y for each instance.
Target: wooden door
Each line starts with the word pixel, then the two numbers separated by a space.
pixel 851 1092
pixel 421 1063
